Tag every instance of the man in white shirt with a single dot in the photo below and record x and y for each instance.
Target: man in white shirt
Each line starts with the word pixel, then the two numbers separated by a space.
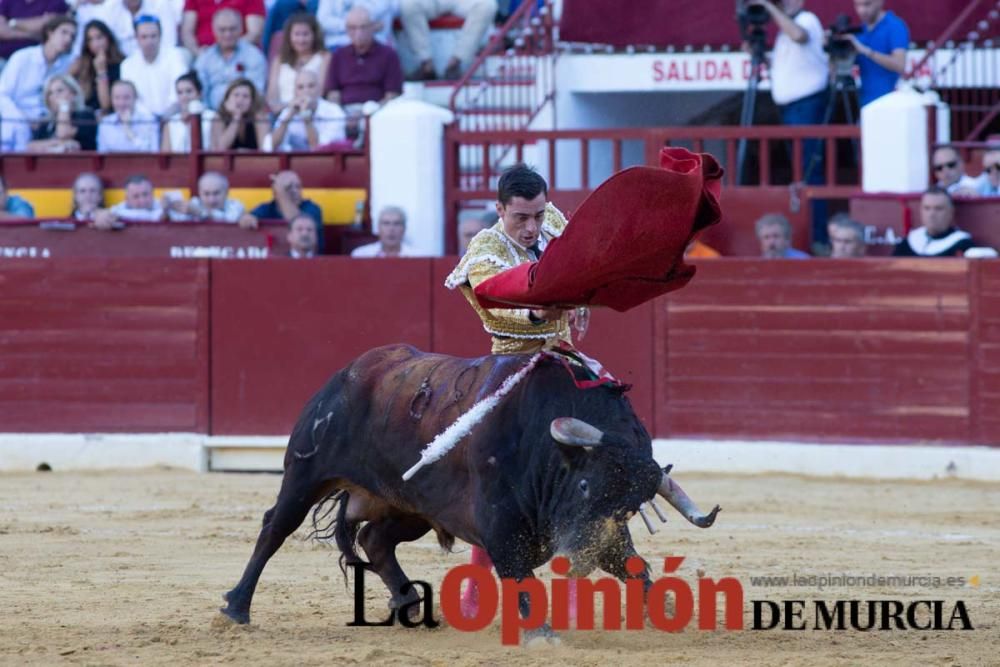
pixel 949 173
pixel 309 121
pixel 131 128
pixel 15 130
pixel 212 204
pixel 154 67
pixel 140 205
pixel 24 76
pixel 391 237
pixel 121 16
pixel 800 76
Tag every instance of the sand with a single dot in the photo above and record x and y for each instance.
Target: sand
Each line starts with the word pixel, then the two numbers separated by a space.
pixel 129 568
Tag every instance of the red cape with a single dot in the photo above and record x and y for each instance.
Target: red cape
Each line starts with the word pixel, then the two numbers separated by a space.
pixel 625 244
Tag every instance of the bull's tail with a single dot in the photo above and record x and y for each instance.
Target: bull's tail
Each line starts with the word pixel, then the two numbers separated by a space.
pixel 338 528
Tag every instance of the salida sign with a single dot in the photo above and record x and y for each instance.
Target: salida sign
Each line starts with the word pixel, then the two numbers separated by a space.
pixel 638 606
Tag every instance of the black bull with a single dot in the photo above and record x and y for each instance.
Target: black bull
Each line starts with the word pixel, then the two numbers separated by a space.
pixel 525 484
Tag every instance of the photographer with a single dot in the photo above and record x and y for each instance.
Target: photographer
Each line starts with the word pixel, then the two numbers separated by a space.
pixel 800 74
pixel 881 47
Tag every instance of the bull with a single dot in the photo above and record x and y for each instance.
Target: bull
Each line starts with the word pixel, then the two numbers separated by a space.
pixel 552 470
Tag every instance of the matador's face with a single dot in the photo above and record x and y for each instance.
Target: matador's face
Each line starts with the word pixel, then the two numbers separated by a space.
pixel 523 218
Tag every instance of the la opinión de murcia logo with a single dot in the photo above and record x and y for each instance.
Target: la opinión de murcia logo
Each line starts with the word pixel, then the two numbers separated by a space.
pixel 629 599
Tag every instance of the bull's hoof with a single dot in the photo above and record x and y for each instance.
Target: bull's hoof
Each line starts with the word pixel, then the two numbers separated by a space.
pixel 238 616
pixel 541 637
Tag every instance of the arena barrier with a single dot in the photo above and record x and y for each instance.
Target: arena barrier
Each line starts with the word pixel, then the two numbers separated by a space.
pixel 889 351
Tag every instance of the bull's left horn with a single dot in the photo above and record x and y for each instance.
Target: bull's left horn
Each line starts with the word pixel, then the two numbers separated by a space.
pixel 674 494
pixel 570 431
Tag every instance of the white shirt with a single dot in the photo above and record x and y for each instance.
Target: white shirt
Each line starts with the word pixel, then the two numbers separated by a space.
pixel 154 81
pixel 123 211
pixel 375 250
pixel 24 77
pixel 15 132
pixel 328 118
pixel 966 182
pixel 799 70
pixel 231 211
pixel 141 135
pixel 121 22
pixel 179 131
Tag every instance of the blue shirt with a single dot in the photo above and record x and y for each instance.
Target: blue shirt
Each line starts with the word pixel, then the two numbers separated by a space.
pixel 270 211
pixel 889 34
pixel 216 72
pixel 792 253
pixel 19 206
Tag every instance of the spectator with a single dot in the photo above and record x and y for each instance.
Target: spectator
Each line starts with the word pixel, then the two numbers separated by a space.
pixel 98 66
pixel 22 23
pixel 154 67
pixel 288 203
pixel 990 184
pixel 23 78
pixel 881 49
pixel 212 204
pixel 847 237
pixel 140 204
pixel 471 224
pixel 198 29
pixel 241 123
pixel 937 236
pixel 176 135
pixel 365 70
pixel 775 235
pixel 88 197
pixel 391 237
pixel 309 121
pixel 279 13
pixel 415 14
pixel 121 16
pixel 230 58
pixel 332 15
pixel 69 125
pixel 949 172
pixel 13 207
pixel 301 50
pixel 800 75
pixel 301 237
pixel 131 128
pixel 15 130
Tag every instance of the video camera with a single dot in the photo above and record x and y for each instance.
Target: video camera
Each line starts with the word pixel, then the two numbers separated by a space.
pixel 840 49
pixel 752 18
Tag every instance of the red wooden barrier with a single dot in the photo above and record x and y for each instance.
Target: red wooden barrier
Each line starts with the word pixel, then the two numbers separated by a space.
pixel 104 345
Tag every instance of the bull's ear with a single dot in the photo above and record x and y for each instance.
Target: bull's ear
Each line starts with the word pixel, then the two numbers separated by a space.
pixel 575 433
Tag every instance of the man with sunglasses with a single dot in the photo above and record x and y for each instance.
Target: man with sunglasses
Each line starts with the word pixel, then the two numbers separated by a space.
pixel 989 186
pixel 949 173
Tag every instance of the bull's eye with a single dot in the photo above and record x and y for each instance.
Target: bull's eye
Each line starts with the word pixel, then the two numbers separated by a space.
pixel 584 488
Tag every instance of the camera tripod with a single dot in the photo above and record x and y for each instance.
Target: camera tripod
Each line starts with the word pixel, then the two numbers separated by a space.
pixel 844 90
pixel 757 46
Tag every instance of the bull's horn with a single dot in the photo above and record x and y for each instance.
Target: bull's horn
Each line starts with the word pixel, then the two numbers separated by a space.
pixel 570 431
pixel 674 494
pixel 645 519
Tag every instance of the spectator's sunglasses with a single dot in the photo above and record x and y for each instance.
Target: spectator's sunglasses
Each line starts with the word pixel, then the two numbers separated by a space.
pixel 146 18
pixel 946 165
pixel 993 167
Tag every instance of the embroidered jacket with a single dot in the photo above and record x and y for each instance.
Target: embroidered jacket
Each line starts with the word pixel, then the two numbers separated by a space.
pixel 491 252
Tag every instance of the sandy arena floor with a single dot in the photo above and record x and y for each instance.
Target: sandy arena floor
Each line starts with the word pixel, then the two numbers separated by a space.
pixel 129 568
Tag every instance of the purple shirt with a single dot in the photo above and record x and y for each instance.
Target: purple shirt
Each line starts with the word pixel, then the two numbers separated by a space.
pixel 363 78
pixel 19 9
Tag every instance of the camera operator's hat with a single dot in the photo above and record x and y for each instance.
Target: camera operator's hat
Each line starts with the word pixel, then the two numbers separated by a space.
pixel 624 244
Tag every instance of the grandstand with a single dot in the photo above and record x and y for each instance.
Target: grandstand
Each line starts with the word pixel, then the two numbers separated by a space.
pixel 152 329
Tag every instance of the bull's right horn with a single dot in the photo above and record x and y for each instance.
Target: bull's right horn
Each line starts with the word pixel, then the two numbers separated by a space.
pixel 672 492
pixel 576 433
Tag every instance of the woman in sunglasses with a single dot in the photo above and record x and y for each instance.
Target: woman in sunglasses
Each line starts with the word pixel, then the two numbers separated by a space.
pixel 990 185
pixel 69 126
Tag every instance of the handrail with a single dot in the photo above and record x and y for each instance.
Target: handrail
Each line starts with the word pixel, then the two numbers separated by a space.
pixel 948 33
pixel 494 46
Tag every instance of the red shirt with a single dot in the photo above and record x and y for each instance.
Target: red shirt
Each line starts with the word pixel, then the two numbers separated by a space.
pixel 206 10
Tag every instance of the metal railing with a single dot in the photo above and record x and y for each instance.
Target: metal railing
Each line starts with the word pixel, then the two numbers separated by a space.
pixel 963 66
pixel 513 78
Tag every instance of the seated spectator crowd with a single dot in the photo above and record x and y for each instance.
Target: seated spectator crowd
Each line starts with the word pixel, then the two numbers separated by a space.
pixel 128 75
